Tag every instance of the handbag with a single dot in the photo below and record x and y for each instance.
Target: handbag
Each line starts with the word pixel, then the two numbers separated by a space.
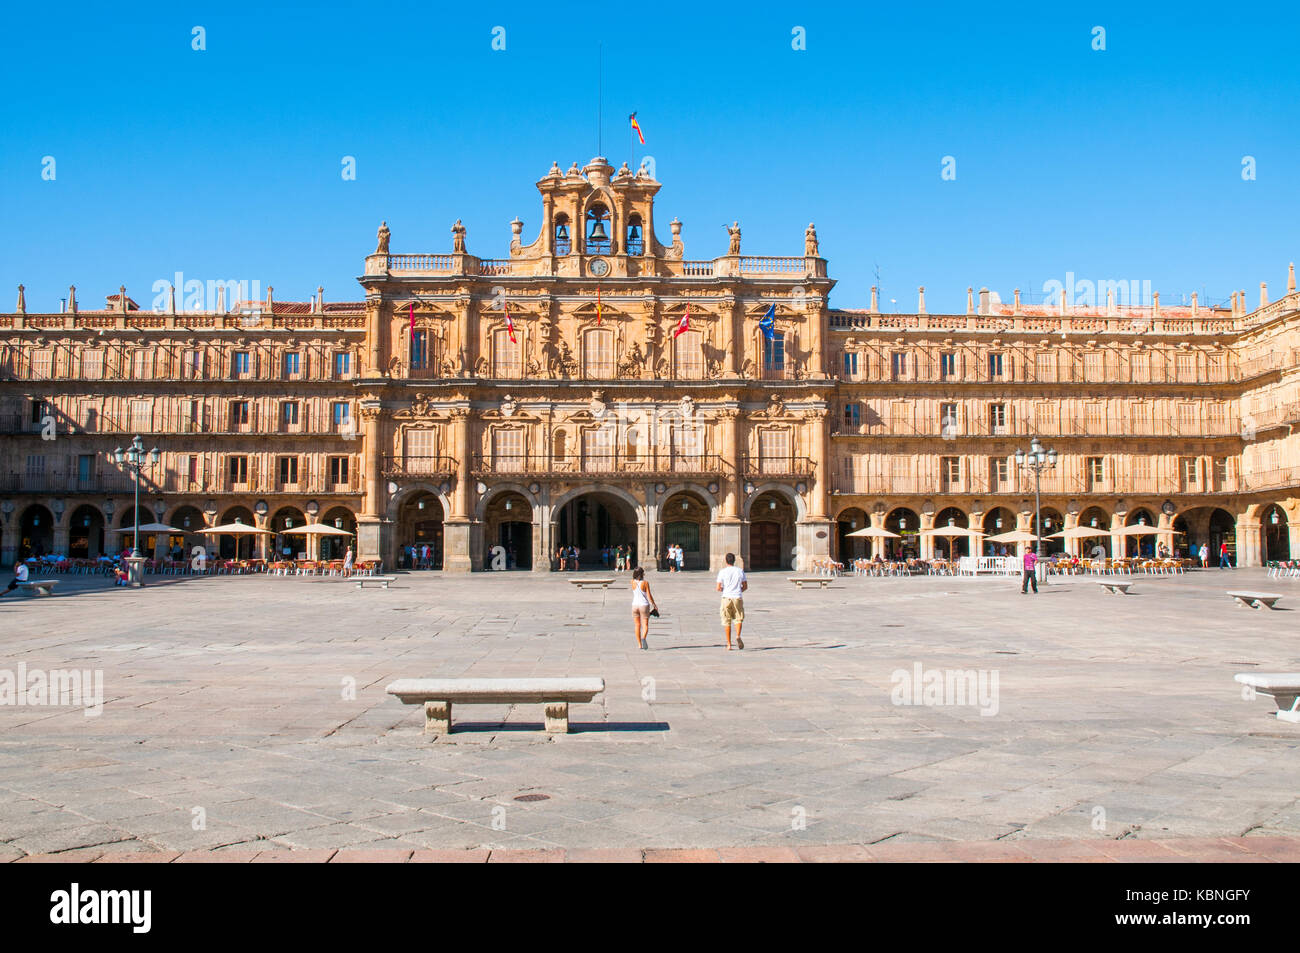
pixel 654 612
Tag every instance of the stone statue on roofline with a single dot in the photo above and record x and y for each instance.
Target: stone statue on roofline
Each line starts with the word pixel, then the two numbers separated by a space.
pixel 734 231
pixel 384 233
pixel 458 238
pixel 810 241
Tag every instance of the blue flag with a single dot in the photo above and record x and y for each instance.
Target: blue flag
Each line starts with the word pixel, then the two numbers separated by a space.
pixel 767 323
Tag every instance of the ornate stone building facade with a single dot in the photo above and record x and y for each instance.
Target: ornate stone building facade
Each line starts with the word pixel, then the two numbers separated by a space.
pixel 597 388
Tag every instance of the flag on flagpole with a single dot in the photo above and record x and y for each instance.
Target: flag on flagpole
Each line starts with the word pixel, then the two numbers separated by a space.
pixel 684 324
pixel 411 328
pixel 637 126
pixel 767 323
pixel 597 305
pixel 510 326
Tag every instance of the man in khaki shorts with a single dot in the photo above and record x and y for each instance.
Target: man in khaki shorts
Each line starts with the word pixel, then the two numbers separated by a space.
pixel 732 584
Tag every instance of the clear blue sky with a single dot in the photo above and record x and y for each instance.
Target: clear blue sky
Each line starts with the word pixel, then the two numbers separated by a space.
pixel 225 164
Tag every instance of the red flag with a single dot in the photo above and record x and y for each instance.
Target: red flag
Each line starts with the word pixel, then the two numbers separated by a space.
pixel 597 305
pixel 510 326
pixel 412 328
pixel 636 126
pixel 684 324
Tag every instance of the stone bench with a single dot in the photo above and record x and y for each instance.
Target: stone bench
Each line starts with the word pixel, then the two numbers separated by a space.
pixel 377 580
pixel 39 587
pixel 1256 600
pixel 1115 588
pixel 591 583
pixel 1283 687
pixel 439 694
pixel 821 581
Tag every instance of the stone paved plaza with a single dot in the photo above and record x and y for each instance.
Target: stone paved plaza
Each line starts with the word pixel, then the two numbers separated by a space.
pixel 228 724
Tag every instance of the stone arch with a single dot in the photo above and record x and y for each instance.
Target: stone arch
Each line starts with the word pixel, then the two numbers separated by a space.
pixel 637 506
pixel 795 500
pixel 409 491
pixel 686 514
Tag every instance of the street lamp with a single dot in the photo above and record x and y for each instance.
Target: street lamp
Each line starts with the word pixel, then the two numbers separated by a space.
pixel 137 458
pixel 1037 460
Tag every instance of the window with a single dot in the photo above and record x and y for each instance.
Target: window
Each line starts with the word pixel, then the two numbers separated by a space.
pixel 239 364
pixel 1141 417
pixel 774 355
pixel 141 412
pixel 238 469
pixel 140 363
pixel 42 362
pixel 39 411
pixel 598 352
pixel 1141 466
pixel 850 364
pixel 1221 473
pixel 900 417
pixel 688 352
pixel 634 245
pixel 1216 416
pixel 505 354
pixel 1095 470
pixel 238 414
pixel 35 466
pixel 774 454
pixel 1187 419
pixel 291 364
pixel 288 470
pixel 598 449
pixel 1217 367
pixel 948 365
pixel 1186 367
pixel 192 468
pixel 1139 363
pixel 1092 366
pixel 999 473
pixel 898 365
pixel 342 364
pixel 852 417
pixel 289 414
pixel 948 420
pixel 949 472
pixel 508 451
pixel 421 450
pixel 419 350
pixel 688 447
pixel 1096 417
pixel 192 364
pixel 85 469
pixel 338 470
pixel 342 416
pixel 92 364
pixel 1190 472
pixel 1045 366
pixel 995 365
pixel 997 418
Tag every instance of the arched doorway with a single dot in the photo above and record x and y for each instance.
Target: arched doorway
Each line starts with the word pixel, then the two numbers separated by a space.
pixel 849 547
pixel 1276 535
pixel 686 518
pixel 288 545
pixel 241 546
pixel 593 521
pixel 907 525
pixel 508 523
pixel 1052 522
pixel 190 522
pixel 1141 546
pixel 997 521
pixel 86 533
pixel 1096 547
pixel 772 520
pixel 37 529
pixel 951 547
pixel 125 537
pixel 419 535
pixel 1223 530
pixel 336 547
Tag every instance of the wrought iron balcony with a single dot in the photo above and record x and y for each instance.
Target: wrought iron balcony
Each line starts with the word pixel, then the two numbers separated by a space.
pixel 411 468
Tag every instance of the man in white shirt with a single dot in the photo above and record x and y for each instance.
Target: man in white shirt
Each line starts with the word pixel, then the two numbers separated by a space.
pixel 20 575
pixel 732 584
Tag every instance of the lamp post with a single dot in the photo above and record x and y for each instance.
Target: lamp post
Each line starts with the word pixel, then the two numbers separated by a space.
pixel 136 457
pixel 1037 460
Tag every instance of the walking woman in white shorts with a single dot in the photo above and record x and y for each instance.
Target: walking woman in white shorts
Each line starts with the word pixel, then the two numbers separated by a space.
pixel 642 603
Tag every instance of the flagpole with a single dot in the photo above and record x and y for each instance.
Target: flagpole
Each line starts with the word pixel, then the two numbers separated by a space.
pixel 600 93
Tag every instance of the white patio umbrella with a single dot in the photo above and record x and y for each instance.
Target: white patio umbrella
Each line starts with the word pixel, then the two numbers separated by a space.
pixel 236 530
pixel 951 532
pixel 874 532
pixel 152 528
pixel 1015 536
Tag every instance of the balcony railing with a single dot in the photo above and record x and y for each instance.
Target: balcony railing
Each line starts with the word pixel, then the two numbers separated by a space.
pixel 612 463
pixel 57 481
pixel 406 467
pixel 778 468
pixel 1267 479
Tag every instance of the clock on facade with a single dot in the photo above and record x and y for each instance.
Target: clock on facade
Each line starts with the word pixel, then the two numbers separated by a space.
pixel 599 267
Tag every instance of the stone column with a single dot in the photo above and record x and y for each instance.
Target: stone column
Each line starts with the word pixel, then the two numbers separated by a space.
pixel 927 542
pixel 820 483
pixel 541 537
pixel 735 335
pixel 724 534
pixel 1118 544
pixel 369 523
pixel 1249 543
pixel 374 355
pixel 457 544
pixel 1293 540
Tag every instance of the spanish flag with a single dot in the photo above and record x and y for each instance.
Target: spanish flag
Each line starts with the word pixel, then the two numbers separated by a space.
pixel 684 324
pixel 597 305
pixel 637 126
pixel 411 329
pixel 510 326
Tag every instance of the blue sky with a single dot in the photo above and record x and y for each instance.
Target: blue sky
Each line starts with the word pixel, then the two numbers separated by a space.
pixel 1122 164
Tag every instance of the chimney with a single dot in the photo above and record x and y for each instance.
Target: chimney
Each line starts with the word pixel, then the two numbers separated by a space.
pixel 1063 302
pixel 1290 279
pixel 920 304
pixel 1263 294
pixel 171 300
pixel 1017 308
pixel 63 306
pixel 121 298
pixel 320 299
pixel 970 300
pixel 221 298
pixel 875 304
pixel 270 304
pixel 984 301
pixel 1195 307
pixel 22 301
pixel 1241 298
pixel 72 298
pixel 1110 301
pixel 1155 305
